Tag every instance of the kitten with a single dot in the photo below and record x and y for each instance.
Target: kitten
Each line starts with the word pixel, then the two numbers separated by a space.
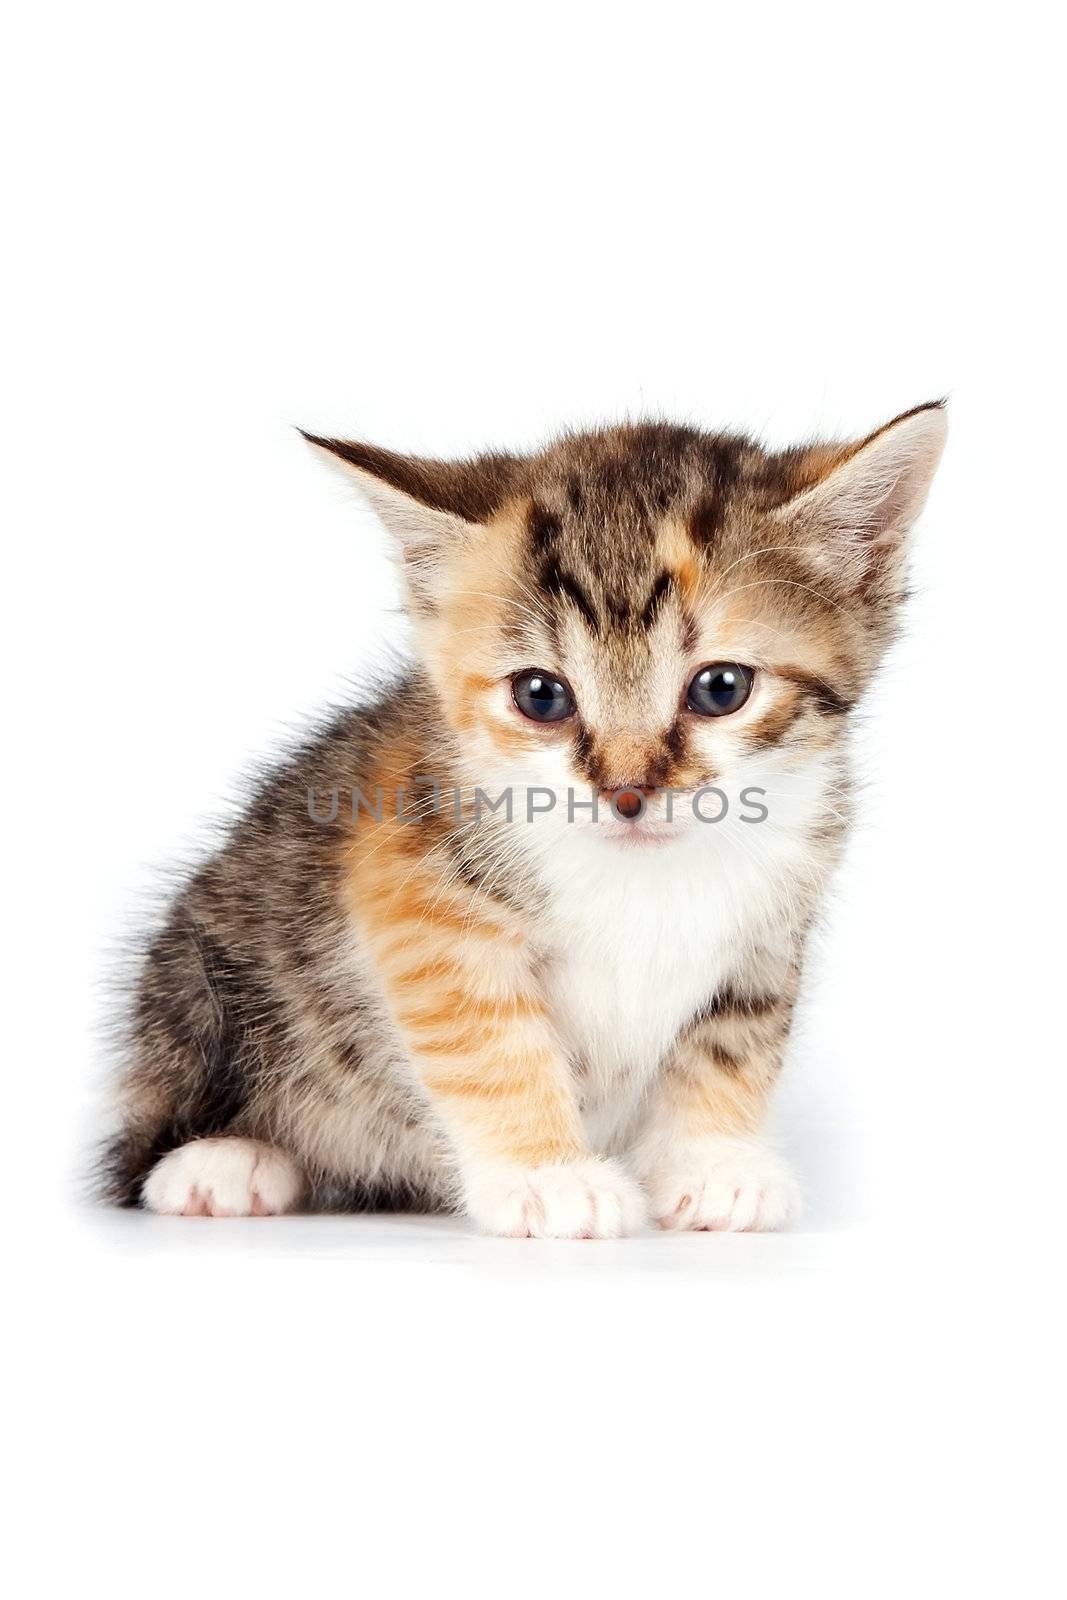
pixel 559 1023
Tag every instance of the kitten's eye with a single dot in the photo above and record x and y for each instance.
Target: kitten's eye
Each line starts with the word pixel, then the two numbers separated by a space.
pixel 719 689
pixel 541 697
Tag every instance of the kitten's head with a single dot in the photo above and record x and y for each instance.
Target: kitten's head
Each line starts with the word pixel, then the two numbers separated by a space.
pixel 646 606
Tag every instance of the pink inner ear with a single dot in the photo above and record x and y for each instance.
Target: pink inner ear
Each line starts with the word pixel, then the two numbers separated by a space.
pixel 874 496
pixel 861 512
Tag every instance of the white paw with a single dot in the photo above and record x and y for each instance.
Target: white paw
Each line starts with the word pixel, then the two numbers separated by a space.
pixel 729 1185
pixel 223 1178
pixel 589 1199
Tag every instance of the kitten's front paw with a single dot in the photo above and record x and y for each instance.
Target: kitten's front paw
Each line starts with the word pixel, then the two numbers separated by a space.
pixel 590 1199
pixel 727 1185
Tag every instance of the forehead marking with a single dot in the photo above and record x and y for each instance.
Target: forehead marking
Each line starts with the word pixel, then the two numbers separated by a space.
pixel 544 527
pixel 706 520
pixel 660 589
pixel 557 581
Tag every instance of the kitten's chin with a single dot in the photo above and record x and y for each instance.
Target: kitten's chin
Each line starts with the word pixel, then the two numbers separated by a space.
pixel 639 835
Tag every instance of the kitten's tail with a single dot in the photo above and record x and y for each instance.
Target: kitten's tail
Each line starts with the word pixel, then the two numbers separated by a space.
pixel 123 1164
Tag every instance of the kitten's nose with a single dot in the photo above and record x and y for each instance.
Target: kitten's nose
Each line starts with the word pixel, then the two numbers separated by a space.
pixel 629 800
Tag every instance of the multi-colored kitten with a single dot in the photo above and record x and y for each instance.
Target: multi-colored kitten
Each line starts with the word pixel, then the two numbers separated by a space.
pixel 484 996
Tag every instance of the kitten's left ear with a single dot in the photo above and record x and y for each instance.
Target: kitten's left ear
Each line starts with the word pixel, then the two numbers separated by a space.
pixel 428 506
pixel 871 493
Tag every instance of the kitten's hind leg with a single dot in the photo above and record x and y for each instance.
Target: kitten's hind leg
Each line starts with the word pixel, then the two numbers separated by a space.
pixel 192 1083
pixel 226 1177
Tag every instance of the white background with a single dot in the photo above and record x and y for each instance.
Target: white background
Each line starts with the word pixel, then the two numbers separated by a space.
pixel 443 227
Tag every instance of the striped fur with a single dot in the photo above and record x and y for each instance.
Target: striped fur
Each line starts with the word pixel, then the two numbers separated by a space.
pixel 554 1023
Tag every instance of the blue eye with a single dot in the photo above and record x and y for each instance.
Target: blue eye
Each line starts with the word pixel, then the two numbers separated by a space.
pixel 717 690
pixel 542 697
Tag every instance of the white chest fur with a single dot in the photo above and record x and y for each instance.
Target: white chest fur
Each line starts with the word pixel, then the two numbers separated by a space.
pixel 642 936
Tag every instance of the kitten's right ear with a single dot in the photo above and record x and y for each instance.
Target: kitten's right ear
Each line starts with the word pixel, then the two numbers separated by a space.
pixel 428 506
